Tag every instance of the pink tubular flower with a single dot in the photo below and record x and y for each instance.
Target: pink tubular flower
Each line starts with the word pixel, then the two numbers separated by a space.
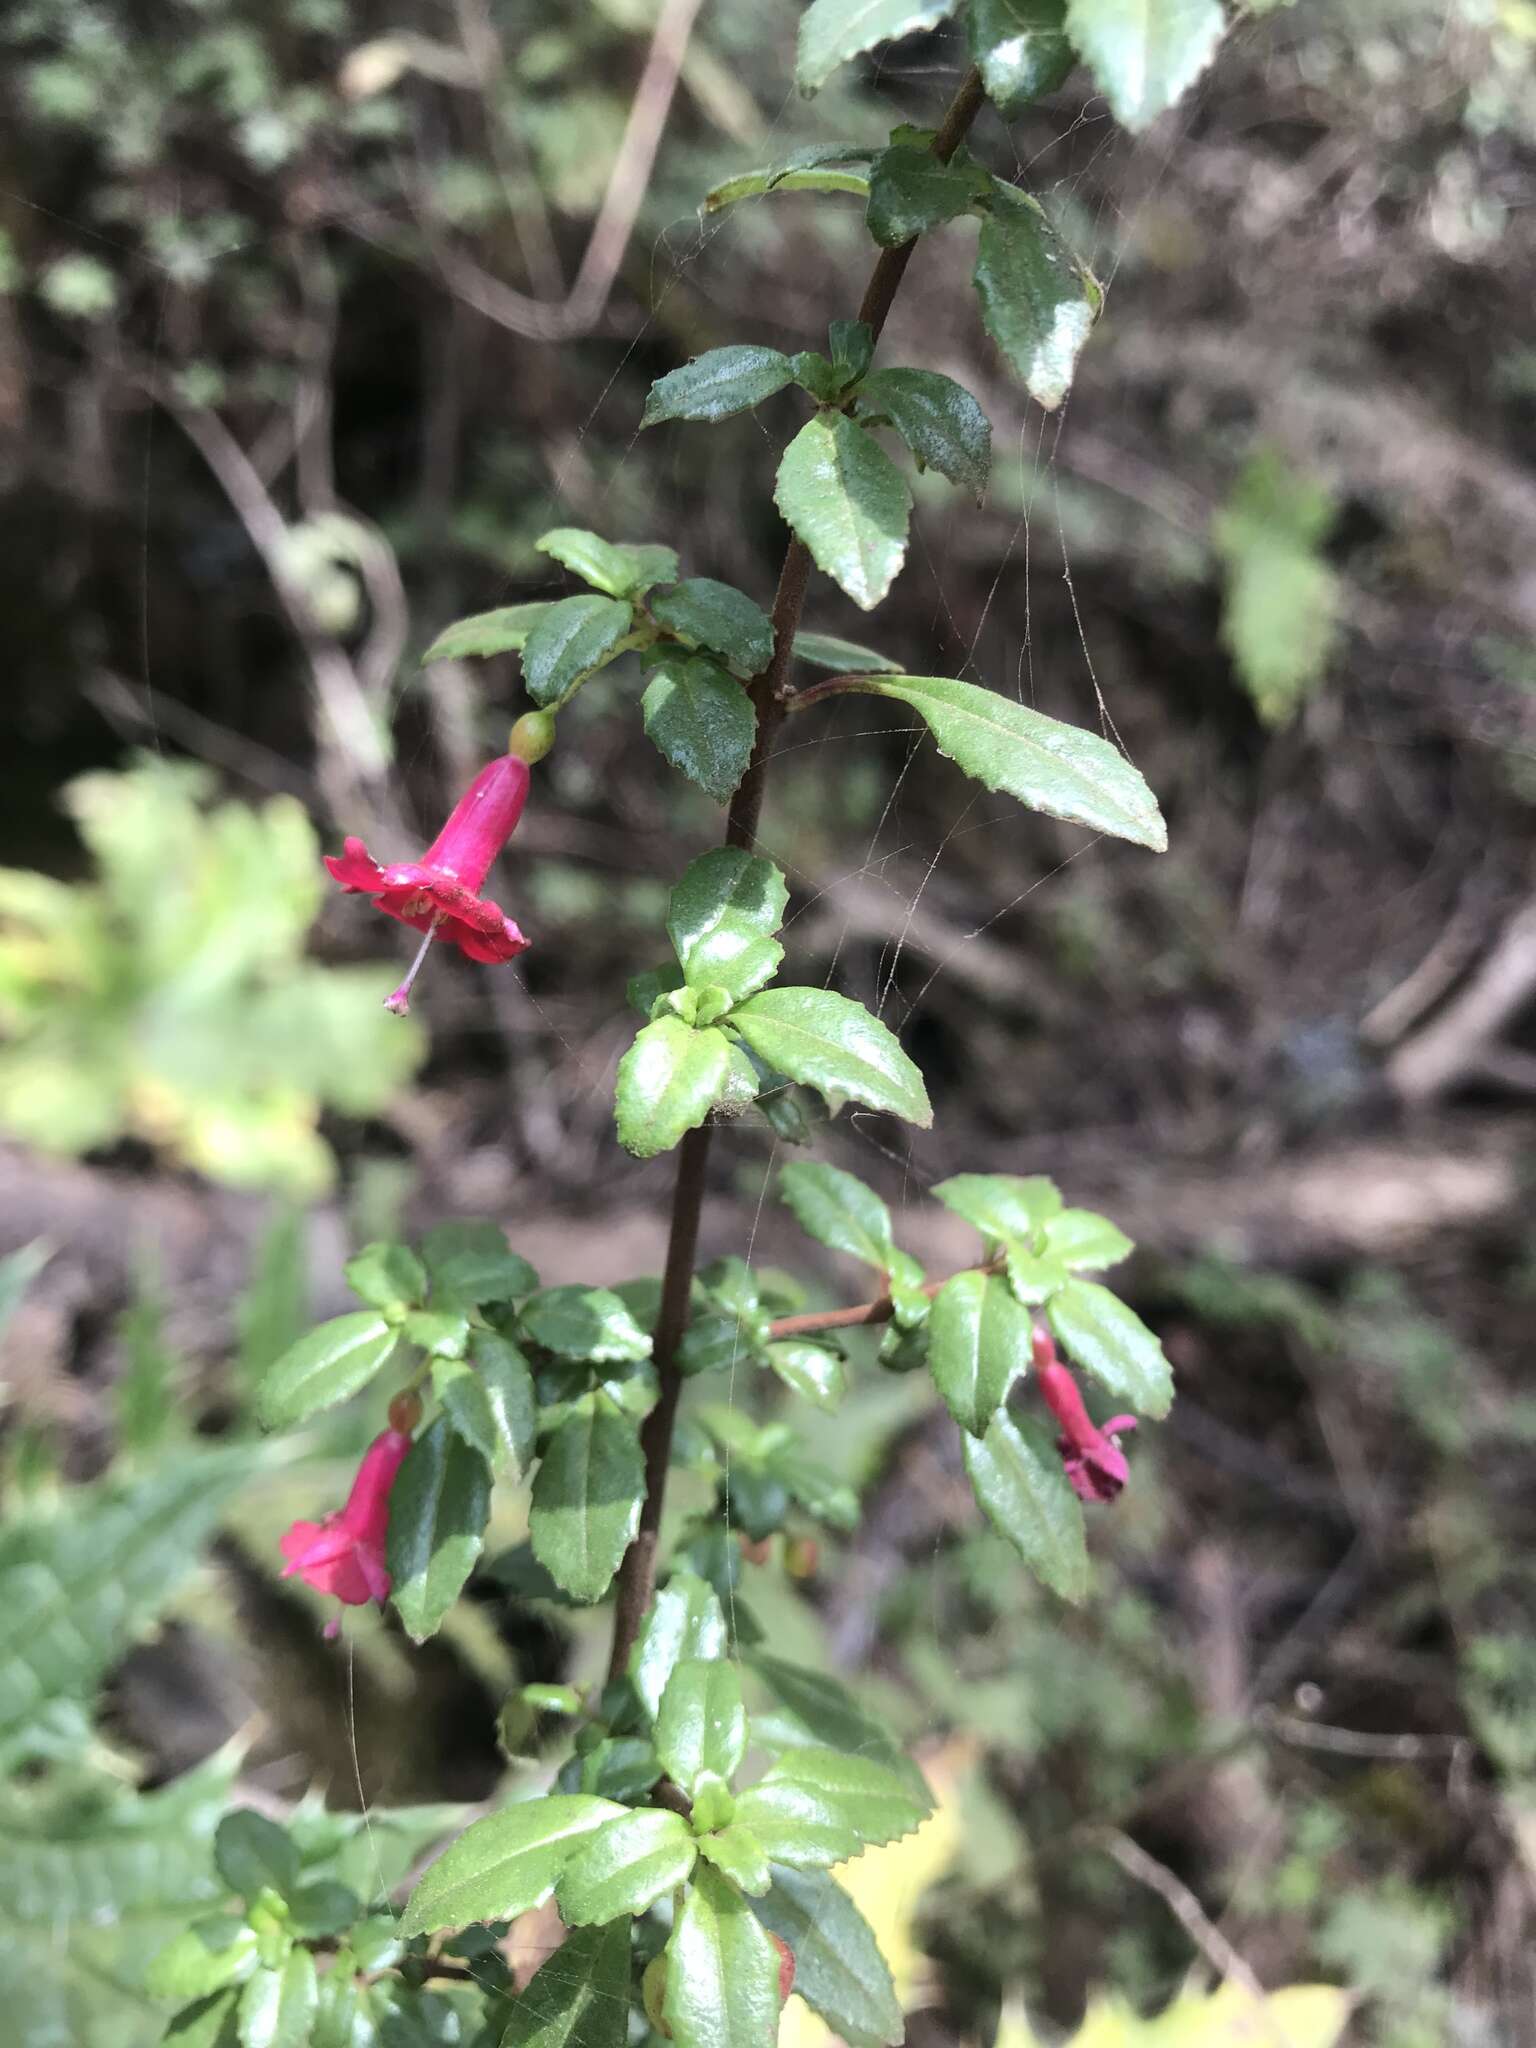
pixel 440 894
pixel 1094 1461
pixel 344 1554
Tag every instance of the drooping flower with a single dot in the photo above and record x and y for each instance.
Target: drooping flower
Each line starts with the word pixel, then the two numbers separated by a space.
pixel 440 894
pixel 344 1554
pixel 1094 1461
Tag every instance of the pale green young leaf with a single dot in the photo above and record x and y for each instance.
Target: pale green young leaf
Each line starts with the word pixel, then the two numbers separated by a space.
pixel 1098 1332
pixel 978 1340
pixel 937 418
pixel 839 1970
pixel 194 1965
pixel 573 639
pixel 834 31
pixel 505 1864
pixel 277 2007
pixel 625 1866
pixel 1084 1242
pixel 1280 608
pixel 668 1082
pixel 720 618
pixel 470 1263
pixel 1144 54
pixel 715 385
pixel 1049 766
pixel 819 167
pixel 621 570
pixel 737 1853
pixel 579 1996
pixel 722 1970
pixel 586 1499
pixel 721 918
pixel 590 1325
pixel 503 631
pixel 817 1807
pixel 838 1210
pixel 1036 303
pixel 685 1622
pixel 1018 1478
pixel 843 657
pixel 438 1509
pixel 386 1276
pixel 845 498
pixel 834 1045
pixel 911 191
pixel 331 1362
pixel 702 1725
pixel 700 719
pixel 1001 1205
pixel 809 1370
pixel 1021 48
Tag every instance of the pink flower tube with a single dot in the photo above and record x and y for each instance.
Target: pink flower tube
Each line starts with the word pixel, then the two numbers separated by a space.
pixel 1094 1461
pixel 344 1554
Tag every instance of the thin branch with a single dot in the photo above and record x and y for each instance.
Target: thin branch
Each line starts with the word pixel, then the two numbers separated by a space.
pixel 880 1311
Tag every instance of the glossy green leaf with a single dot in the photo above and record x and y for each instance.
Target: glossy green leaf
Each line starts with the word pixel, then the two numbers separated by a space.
pixel 737 1853
pixel 722 1970
pixel 195 1965
pixel 1051 767
pixel 809 1370
pixel 720 618
pixel 937 418
pixel 838 1210
pixel 817 1807
pixel 277 2007
pixel 506 1864
pixel 978 1339
pixel 621 570
pixel 252 1853
pixel 839 1970
pixel 849 503
pixel 438 1510
pixel 834 31
pixel 579 1996
pixel 701 720
pixel 1144 54
pixel 573 639
pixel 911 191
pixel 1033 1276
pixel 819 167
pixel 1020 47
pixel 715 385
pixel 323 1909
pixel 621 1767
pixel 685 1622
pixel 387 1276
pixel 1036 303
pixel 1001 1205
pixel 344 2011
pixel 210 2023
pixel 470 1263
pixel 1084 1242
pixel 331 1362
pixel 588 1324
pixel 626 1866
pixel 441 1333
pixel 1018 1477
pixel 702 1725
pixel 489 1400
pixel 668 1082
pixel 1098 1332
pixel 816 1711
pixel 586 1499
pixel 844 657
pixel 721 919
pixel 834 1045
pixel 503 631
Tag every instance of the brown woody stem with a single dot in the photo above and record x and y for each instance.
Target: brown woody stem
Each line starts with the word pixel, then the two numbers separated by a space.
pixel 771 695
pixel 881 1311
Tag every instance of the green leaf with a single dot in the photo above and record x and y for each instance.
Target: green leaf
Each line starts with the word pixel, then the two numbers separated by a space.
pixel 834 31
pixel 277 2007
pixel 438 1510
pixel 626 1866
pixel 1049 766
pixel 715 385
pixel 809 1370
pixel 323 1909
pixel 702 1725
pixel 490 1400
pixel 737 1853
pixel 1036 302
pixel 819 167
pixel 701 720
pixel 252 1852
pixel 587 1324
pixel 1085 1243
pixel 210 2023
pixel 911 191
pixel 978 1338
pixel 573 639
pixel 387 1276
pixel 817 1807
pixel 1033 1277
pixel 622 571
pixel 503 631
pixel 470 1263
pixel 846 499
pixel 586 1499
pixel 579 1996
pixel 839 1211
pixel 685 1622
pixel 721 919
pixel 506 1864
pixel 817 1711
pixel 668 1082
pixel 844 657
pixel 1098 1332
pixel 937 418
pixel 1144 54
pixel 1001 1205
pixel 441 1333
pixel 722 1970
pixel 1279 616
pixel 839 1970
pixel 1021 49
pixel 331 1362
pixel 1018 1477
pixel 195 1965
pixel 720 618
pixel 836 1046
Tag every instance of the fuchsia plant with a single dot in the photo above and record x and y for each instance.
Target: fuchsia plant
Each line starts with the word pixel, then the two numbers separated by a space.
pixel 688 1814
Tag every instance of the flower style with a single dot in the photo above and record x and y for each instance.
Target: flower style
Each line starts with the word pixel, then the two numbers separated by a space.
pixel 344 1554
pixel 439 894
pixel 1094 1461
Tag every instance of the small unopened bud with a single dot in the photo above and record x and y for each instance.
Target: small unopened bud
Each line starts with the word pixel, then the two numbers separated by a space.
pixel 802 1554
pixel 757 1552
pixel 405 1412
pixel 532 736
pixel 786 1967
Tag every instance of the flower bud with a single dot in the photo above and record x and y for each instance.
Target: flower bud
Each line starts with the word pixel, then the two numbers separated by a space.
pixel 802 1554
pixel 532 736
pixel 405 1412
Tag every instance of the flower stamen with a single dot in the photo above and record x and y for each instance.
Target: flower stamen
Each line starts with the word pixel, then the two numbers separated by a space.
pixel 399 1000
